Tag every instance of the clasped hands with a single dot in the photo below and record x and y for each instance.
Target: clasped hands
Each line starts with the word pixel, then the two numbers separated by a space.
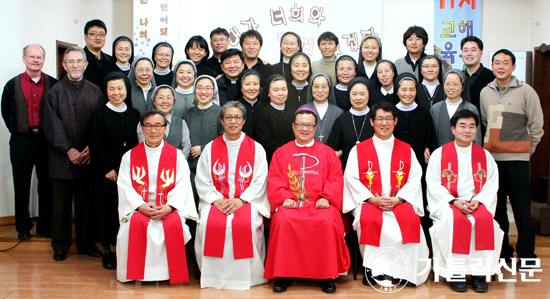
pixel 385 203
pixel 466 207
pixel 155 212
pixel 77 157
pixel 290 203
pixel 228 206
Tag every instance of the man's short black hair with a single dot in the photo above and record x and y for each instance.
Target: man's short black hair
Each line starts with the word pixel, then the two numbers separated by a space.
pixel 464 113
pixel 474 39
pixel 96 23
pixel 420 33
pixel 385 106
pixel 305 111
pixel 201 42
pixel 219 30
pixel 150 113
pixel 505 52
pixel 251 33
pixel 328 36
pixel 231 52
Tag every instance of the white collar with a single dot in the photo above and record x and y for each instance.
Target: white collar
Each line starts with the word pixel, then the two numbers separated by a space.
pixel 123 68
pixel 161 73
pixel 463 149
pixel 234 142
pixel 453 104
pixel 116 109
pixel 280 108
pixel 286 61
pixel 251 103
pixel 205 107
pixel 320 106
pixel 359 113
pixel 380 141
pixel 183 91
pixel 299 87
pixel 384 92
pixel 340 87
pixel 406 108
pixel 310 144
pixel 430 84
pixel 154 149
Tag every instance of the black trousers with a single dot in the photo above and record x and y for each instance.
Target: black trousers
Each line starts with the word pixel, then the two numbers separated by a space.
pixel 28 151
pixel 108 222
pixel 514 183
pixel 64 191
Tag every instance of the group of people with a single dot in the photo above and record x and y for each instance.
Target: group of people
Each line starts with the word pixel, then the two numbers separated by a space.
pixel 229 153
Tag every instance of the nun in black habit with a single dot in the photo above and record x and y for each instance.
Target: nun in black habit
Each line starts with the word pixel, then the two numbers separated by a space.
pixel 163 76
pixel 384 89
pixel 298 88
pixel 367 69
pixel 353 126
pixel 344 74
pixel 430 89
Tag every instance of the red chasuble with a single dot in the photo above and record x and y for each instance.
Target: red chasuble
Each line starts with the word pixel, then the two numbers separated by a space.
pixel 217 221
pixel 173 230
pixel 306 241
pixel 462 227
pixel 369 174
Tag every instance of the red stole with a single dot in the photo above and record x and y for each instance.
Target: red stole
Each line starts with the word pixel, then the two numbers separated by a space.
pixel 173 230
pixel 369 174
pixel 217 221
pixel 462 227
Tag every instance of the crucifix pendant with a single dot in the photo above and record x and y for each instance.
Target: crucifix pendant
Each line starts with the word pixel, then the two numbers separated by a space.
pixel 321 137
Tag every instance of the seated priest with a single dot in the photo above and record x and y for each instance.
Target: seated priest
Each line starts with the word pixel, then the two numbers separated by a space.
pixel 231 183
pixel 305 192
pixel 462 181
pixel 155 200
pixel 382 189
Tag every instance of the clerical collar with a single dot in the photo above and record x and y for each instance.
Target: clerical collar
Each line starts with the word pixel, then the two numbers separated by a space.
pixel 384 92
pixel 183 91
pixel 161 73
pixel 463 149
pixel 381 141
pixel 116 109
pixel 453 104
pixel 278 107
pixel 154 149
pixel 299 87
pixel 310 144
pixel 359 113
pixel 286 61
pixel 205 107
pixel 232 81
pixel 234 142
pixel 122 67
pixel 341 87
pixel 402 107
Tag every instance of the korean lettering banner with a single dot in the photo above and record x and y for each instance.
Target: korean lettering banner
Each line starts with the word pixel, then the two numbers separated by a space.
pixel 307 18
pixel 154 21
pixel 453 21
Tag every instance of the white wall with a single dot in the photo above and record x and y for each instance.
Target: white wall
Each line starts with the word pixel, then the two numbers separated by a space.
pixel 43 22
pixel 506 24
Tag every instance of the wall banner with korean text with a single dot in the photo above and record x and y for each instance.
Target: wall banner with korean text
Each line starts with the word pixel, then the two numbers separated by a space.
pixel 308 18
pixel 154 21
pixel 453 21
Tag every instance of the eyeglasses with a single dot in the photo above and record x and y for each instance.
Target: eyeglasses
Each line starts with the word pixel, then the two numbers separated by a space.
pixel 77 62
pixel 449 84
pixel 201 88
pixel 219 40
pixel 343 70
pixel 230 118
pixel 96 34
pixel 149 127
pixel 386 119
pixel 308 126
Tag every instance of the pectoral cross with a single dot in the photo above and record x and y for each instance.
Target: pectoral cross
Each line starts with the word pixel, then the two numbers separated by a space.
pixel 321 137
pixel 144 193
